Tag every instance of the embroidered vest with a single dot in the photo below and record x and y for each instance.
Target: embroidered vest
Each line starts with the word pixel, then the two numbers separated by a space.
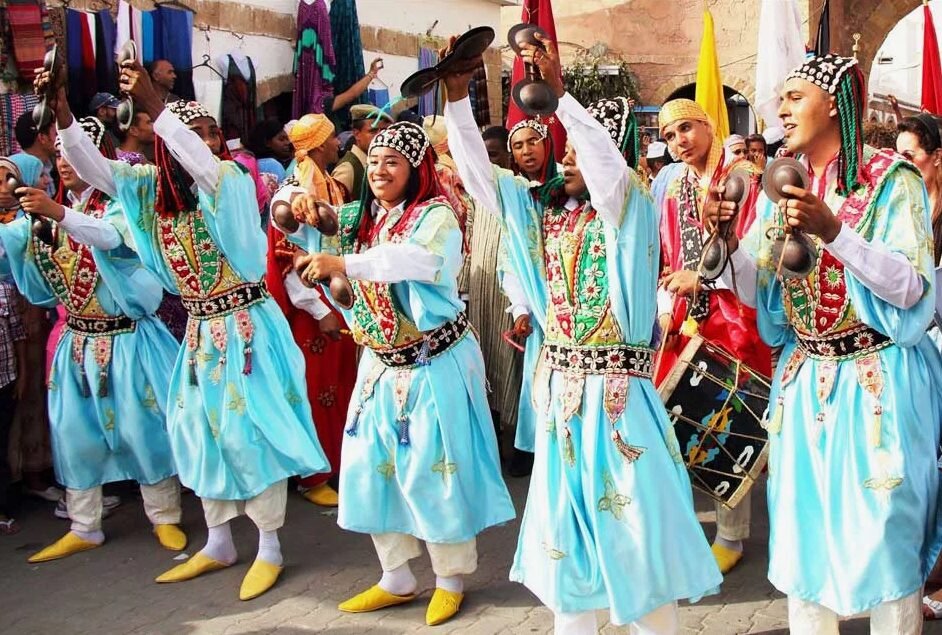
pixel 579 312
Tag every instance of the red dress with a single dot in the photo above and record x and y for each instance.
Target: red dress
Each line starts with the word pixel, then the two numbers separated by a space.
pixel 331 366
pixel 728 323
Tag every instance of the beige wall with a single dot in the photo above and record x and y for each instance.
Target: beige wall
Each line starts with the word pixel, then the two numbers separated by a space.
pixel 660 39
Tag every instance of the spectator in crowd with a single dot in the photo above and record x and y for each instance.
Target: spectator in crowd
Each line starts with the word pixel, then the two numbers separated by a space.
pixel 365 122
pixel 269 142
pixel 137 142
pixel 104 106
pixel 12 384
pixel 757 150
pixel 39 143
pixel 495 140
pixel 164 76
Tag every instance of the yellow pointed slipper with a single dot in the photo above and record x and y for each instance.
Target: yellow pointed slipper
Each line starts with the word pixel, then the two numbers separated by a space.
pixel 66 546
pixel 726 559
pixel 443 606
pixel 170 537
pixel 323 495
pixel 373 599
pixel 260 577
pixel 197 565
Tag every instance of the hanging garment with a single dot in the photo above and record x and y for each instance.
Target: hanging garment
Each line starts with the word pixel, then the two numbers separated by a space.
pixel 239 98
pixel 313 60
pixel 105 68
pixel 29 42
pixel 177 36
pixel 208 90
pixel 80 54
pixel 428 58
pixel 348 51
pixel 147 33
pixel 12 106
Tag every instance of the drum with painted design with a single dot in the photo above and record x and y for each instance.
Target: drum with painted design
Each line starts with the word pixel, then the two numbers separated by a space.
pixel 718 406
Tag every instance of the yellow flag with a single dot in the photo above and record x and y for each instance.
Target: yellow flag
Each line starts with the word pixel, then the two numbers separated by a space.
pixel 709 83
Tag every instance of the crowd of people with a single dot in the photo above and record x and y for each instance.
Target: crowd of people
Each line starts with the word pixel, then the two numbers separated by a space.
pixel 361 314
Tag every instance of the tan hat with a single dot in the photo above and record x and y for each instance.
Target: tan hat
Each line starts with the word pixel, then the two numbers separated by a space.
pixel 359 112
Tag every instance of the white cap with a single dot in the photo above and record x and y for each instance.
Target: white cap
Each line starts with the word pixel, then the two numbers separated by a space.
pixel 234 144
pixel 734 139
pixel 773 134
pixel 290 125
pixel 656 150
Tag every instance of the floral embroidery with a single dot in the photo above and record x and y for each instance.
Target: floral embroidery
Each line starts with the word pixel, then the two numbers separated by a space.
pixel 611 501
pixel 445 469
pixel 553 553
pixel 328 398
pixel 292 397
pixel 387 468
pixel 190 252
pixel 236 401
pixel 213 422
pixel 150 399
pixel 109 419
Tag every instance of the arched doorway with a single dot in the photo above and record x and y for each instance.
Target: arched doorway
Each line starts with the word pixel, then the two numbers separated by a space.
pixel 742 119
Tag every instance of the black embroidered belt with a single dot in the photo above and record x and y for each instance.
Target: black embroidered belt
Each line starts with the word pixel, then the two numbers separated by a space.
pixel 433 343
pixel 240 297
pixel 855 342
pixel 92 326
pixel 600 360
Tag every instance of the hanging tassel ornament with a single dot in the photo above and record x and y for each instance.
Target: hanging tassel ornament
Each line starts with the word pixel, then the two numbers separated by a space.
pixel 630 452
pixel 423 358
pixel 775 425
pixel 103 383
pixel 86 389
pixel 354 422
pixel 876 426
pixel 191 362
pixel 569 448
pixel 247 366
pixel 403 430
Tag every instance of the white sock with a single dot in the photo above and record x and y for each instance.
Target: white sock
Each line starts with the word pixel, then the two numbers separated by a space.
pixel 735 545
pixel 583 623
pixel 399 581
pixel 219 545
pixel 453 583
pixel 96 537
pixel 269 549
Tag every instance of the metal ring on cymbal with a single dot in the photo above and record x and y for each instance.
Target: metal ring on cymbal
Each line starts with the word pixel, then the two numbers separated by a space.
pixel 715 255
pixel 125 110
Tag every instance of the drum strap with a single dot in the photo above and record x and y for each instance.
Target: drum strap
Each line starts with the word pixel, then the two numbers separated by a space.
pixel 691 243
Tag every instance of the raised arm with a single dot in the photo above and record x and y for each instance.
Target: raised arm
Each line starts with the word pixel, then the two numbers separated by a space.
pixel 469 152
pixel 87 230
pixel 602 165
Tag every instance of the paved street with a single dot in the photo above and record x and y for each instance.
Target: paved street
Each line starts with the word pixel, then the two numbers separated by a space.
pixel 111 590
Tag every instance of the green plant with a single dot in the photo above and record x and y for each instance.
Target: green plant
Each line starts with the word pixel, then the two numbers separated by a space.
pixel 590 79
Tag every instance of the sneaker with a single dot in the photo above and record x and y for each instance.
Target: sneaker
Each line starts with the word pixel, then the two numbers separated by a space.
pixel 108 504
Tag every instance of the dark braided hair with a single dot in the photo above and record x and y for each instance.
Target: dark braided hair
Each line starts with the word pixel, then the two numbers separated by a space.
pixel 850 96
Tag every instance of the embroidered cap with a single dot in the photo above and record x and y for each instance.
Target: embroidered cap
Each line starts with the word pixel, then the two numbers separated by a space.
pixel 93 127
pixel 532 124
pixel 614 115
pixel 189 111
pixel 824 71
pixel 406 138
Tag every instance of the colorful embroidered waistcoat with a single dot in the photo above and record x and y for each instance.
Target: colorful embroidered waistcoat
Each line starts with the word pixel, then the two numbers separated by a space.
pixel 70 270
pixel 378 321
pixel 200 270
pixel 579 312
pixel 818 305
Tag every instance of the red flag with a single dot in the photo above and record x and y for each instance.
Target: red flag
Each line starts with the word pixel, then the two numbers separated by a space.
pixel 931 67
pixel 539 12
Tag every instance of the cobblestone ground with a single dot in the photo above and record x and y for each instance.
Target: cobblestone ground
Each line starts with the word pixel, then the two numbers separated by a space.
pixel 111 590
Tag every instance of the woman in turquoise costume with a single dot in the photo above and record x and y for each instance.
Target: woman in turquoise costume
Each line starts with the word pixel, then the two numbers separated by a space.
pixel 110 374
pixel 854 509
pixel 609 522
pixel 420 461
pixel 238 417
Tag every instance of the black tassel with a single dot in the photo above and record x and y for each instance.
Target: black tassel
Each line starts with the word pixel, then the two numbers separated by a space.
pixel 86 389
pixel 192 364
pixel 103 384
pixel 404 431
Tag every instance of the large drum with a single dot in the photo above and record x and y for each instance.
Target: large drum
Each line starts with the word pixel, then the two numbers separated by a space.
pixel 717 405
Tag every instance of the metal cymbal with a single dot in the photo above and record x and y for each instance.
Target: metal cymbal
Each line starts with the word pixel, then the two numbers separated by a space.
pixel 781 172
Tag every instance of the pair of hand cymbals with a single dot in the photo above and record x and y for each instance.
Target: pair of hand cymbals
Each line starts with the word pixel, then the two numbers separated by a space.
pixel 125 110
pixel 795 253
pixel 463 57
pixel 42 114
pixel 532 94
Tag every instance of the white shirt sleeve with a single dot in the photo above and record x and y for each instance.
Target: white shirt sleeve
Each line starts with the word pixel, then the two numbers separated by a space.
pixel 90 231
pixel 470 154
pixel 305 298
pixel 602 165
pixel 519 305
pixel 665 302
pixel 86 159
pixel 189 149
pixel 746 277
pixel 391 262
pixel 889 275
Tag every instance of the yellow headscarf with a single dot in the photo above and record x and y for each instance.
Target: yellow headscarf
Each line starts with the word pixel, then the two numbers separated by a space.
pixel 309 133
pixel 686 109
pixel 438 136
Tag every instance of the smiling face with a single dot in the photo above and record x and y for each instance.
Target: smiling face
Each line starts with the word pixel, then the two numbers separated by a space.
pixel 387 172
pixel 689 140
pixel 808 113
pixel 573 181
pixel 529 152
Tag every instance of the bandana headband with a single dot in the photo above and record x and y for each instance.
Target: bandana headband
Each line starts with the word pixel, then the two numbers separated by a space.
pixel 406 138
pixel 534 125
